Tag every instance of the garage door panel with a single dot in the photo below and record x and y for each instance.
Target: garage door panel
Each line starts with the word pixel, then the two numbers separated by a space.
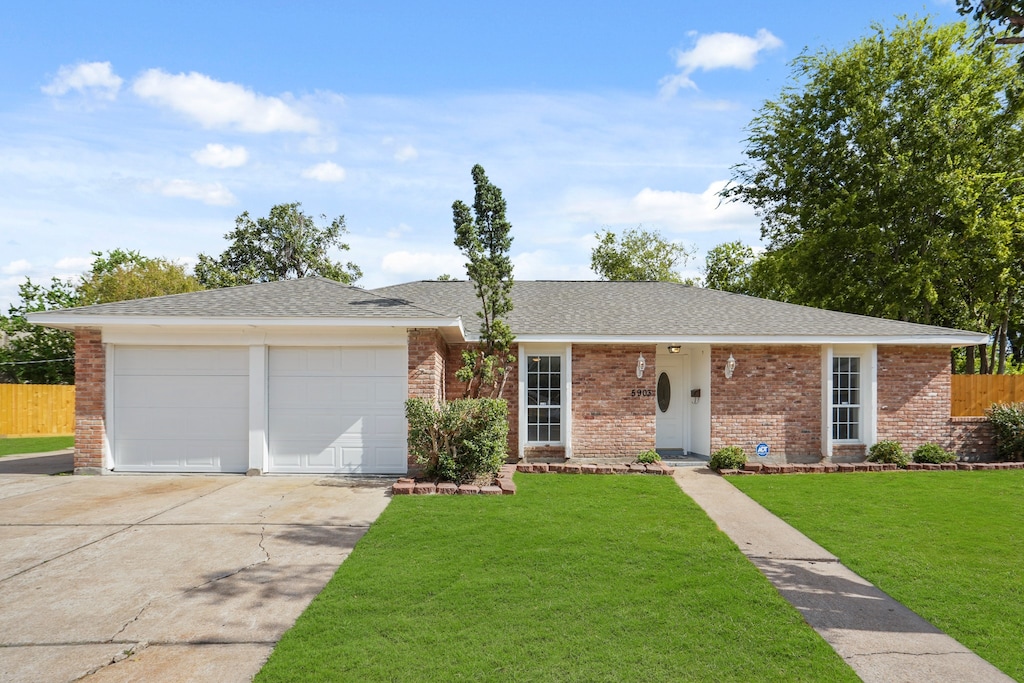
pixel 337 410
pixel 180 409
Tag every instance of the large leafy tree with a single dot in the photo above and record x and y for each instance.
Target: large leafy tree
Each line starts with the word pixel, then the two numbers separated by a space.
pixel 638 255
pixel 888 179
pixel 286 244
pixel 483 234
pixel 1002 20
pixel 122 275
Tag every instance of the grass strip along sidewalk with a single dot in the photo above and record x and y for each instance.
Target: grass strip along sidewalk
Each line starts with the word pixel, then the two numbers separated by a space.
pixel 575 578
pixel 948 545
pixel 35 444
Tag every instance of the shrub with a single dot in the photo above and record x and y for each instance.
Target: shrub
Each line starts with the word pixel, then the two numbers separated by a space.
pixel 728 458
pixel 464 440
pixel 648 457
pixel 888 451
pixel 933 453
pixel 1008 421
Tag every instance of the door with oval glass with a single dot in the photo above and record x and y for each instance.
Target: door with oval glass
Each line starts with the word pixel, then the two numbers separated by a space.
pixel 672 401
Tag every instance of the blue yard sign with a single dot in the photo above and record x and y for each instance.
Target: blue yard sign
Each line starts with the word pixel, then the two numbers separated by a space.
pixel 762 450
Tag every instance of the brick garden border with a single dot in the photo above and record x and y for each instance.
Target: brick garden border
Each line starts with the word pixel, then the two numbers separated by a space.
pixel 828 468
pixel 504 485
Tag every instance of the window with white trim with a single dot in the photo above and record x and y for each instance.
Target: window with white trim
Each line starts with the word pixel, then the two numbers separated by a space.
pixel 846 398
pixel 544 399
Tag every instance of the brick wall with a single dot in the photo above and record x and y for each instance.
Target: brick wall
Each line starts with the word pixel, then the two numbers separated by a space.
pixel 913 395
pixel 774 396
pixel 608 421
pixel 973 438
pixel 428 354
pixel 90 399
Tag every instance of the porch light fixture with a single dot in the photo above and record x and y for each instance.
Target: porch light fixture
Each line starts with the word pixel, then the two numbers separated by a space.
pixel 641 365
pixel 730 367
pixel 674 348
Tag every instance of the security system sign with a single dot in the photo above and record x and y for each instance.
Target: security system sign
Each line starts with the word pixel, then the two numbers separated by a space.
pixel 762 450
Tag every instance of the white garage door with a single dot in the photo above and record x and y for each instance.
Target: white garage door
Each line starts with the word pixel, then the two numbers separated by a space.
pixel 181 409
pixel 339 409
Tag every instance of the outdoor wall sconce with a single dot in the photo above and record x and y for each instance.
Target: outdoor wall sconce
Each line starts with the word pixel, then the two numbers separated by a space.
pixel 641 365
pixel 730 367
pixel 674 348
pixel 695 396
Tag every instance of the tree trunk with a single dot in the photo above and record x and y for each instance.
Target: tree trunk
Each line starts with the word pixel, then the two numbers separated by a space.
pixel 969 363
pixel 983 350
pixel 1001 339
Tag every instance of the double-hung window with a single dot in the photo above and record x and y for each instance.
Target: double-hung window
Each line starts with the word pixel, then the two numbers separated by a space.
pixel 846 398
pixel 544 399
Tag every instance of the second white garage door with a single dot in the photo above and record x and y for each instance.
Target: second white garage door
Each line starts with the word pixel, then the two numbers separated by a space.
pixel 338 409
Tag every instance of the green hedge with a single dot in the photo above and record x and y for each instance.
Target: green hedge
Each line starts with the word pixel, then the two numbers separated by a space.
pixel 1008 420
pixel 464 440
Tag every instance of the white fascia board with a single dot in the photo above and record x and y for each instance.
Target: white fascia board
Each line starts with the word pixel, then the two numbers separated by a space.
pixel 967 339
pixel 70 321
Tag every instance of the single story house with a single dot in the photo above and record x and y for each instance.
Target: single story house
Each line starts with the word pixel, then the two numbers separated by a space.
pixel 310 376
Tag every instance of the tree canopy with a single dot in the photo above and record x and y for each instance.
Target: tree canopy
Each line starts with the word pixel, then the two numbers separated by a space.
pixel 888 179
pixel 286 244
pixel 122 275
pixel 638 255
pixel 483 234
pixel 998 20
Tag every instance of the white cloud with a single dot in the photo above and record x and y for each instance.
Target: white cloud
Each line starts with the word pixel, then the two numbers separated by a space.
pixel 423 265
pixel 682 212
pixel 214 194
pixel 406 153
pixel 327 172
pixel 88 78
pixel 220 104
pixel 717 51
pixel 73 263
pixel 19 267
pixel 219 156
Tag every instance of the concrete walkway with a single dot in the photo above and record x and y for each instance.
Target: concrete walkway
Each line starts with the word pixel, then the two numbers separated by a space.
pixel 165 577
pixel 878 637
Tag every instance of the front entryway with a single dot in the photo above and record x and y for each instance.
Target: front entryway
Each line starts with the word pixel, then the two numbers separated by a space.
pixel 672 400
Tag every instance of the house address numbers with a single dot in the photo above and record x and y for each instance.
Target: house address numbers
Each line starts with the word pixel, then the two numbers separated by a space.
pixel 640 393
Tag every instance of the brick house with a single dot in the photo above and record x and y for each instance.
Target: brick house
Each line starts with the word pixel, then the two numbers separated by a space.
pixel 310 375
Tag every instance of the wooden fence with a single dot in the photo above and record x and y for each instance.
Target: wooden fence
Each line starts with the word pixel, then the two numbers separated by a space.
pixel 37 409
pixel 973 394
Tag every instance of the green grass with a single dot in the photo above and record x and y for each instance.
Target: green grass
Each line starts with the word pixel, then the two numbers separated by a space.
pixel 576 578
pixel 35 444
pixel 949 545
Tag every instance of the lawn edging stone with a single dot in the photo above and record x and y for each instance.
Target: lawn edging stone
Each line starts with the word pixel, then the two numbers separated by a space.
pixel 829 468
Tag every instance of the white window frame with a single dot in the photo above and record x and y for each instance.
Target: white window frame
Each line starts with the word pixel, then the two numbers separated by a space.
pixel 564 353
pixel 868 422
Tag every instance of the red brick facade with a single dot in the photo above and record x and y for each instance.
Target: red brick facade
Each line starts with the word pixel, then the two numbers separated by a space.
pixel 90 399
pixel 428 355
pixel 612 410
pixel 774 396
pixel 973 438
pixel 913 395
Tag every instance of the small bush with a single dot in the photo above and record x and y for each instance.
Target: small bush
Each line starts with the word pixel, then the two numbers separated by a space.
pixel 888 451
pixel 1008 420
pixel 933 453
pixel 728 458
pixel 648 457
pixel 464 440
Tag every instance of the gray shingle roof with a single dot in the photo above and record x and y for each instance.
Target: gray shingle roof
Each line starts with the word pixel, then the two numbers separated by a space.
pixel 312 297
pixel 653 309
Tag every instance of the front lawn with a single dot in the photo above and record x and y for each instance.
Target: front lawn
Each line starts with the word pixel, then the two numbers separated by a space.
pixel 948 545
pixel 575 578
pixel 35 444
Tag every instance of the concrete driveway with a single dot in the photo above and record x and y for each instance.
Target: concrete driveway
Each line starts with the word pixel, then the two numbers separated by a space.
pixel 195 578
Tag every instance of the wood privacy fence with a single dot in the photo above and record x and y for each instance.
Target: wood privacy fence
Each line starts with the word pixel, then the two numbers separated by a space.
pixel 37 409
pixel 973 394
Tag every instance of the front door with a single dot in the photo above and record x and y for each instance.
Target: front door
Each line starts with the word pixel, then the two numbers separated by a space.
pixel 671 401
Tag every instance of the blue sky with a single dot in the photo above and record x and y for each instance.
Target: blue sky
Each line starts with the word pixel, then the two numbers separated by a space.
pixel 133 126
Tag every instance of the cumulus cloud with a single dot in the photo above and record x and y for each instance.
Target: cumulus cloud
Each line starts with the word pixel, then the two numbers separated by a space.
pixel 406 153
pixel 73 263
pixel 88 78
pixel 423 265
pixel 683 212
pixel 717 51
pixel 214 194
pixel 19 267
pixel 219 156
pixel 327 172
pixel 220 104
